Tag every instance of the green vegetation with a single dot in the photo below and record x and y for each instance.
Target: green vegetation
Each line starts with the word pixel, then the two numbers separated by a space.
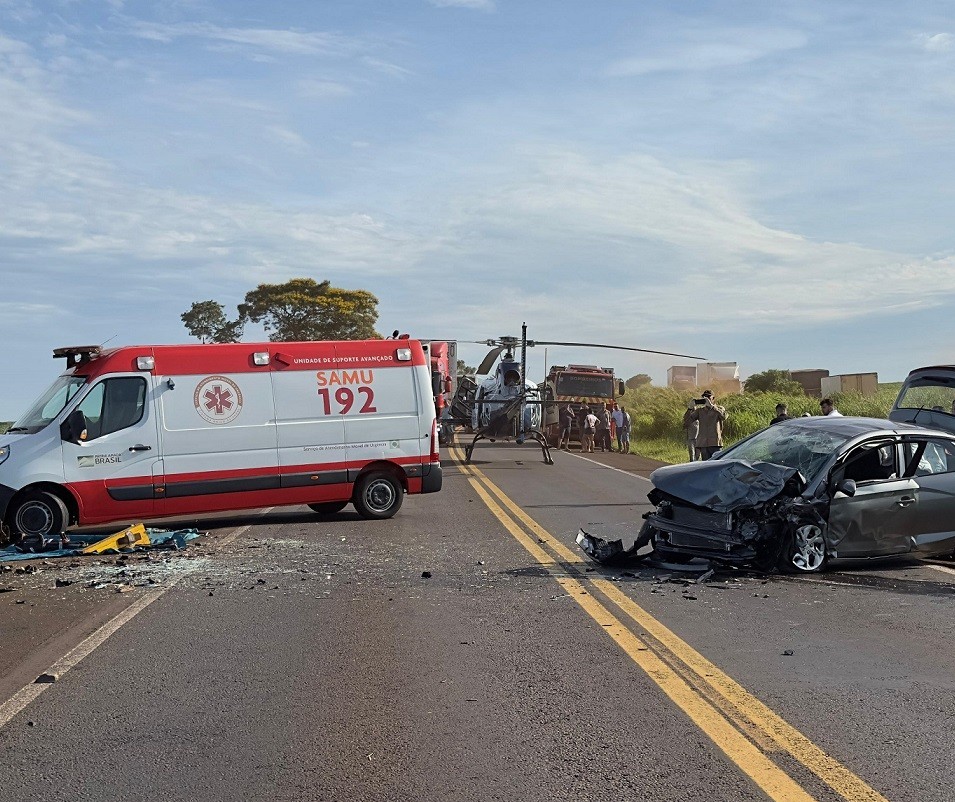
pixel 773 381
pixel 301 309
pixel 5 426
pixel 657 414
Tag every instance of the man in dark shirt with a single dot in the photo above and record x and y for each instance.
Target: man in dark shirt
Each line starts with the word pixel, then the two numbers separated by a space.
pixel 566 424
pixel 782 413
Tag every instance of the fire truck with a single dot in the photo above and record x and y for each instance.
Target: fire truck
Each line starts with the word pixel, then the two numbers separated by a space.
pixel 444 368
pixel 577 386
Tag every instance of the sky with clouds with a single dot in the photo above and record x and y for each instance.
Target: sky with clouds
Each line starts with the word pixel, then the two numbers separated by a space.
pixel 766 183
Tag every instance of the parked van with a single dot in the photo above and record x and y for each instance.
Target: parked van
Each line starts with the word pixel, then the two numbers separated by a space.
pixel 147 431
pixel 927 397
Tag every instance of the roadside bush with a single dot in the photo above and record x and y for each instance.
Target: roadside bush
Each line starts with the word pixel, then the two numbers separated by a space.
pixel 657 412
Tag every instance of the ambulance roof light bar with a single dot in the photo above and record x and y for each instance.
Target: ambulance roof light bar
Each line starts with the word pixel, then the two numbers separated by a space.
pixel 77 354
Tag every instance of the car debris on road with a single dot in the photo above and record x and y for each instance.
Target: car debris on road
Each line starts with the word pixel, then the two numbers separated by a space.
pixel 132 539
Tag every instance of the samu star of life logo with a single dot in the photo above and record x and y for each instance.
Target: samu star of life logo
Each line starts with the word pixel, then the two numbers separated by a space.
pixel 218 399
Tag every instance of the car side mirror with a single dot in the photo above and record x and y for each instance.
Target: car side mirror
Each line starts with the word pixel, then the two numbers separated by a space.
pixel 621 387
pixel 847 487
pixel 73 429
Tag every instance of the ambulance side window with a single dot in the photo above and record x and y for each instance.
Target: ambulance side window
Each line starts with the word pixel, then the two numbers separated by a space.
pixel 112 405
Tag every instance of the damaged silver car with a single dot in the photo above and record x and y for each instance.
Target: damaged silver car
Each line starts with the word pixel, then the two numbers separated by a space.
pixel 803 492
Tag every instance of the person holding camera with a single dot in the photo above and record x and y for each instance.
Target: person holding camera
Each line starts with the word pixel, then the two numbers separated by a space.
pixel 710 417
pixel 691 426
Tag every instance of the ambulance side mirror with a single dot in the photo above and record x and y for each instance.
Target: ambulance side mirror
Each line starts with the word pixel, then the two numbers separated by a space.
pixel 73 429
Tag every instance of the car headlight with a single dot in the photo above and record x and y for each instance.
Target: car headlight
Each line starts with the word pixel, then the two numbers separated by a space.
pixel 4 453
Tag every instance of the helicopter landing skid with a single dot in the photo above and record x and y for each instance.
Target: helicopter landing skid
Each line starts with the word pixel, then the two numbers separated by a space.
pixel 536 436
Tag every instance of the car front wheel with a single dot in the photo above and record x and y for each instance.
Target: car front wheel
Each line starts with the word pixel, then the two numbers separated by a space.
pixel 805 553
pixel 378 495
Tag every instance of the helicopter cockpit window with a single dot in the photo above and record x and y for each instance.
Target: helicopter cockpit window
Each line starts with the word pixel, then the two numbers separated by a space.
pixel 511 378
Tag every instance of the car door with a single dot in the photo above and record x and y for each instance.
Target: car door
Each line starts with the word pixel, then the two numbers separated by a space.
pixel 113 467
pixel 882 515
pixel 930 462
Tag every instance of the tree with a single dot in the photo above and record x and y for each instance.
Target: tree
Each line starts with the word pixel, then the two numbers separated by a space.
pixel 773 381
pixel 303 309
pixel 637 381
pixel 464 369
pixel 206 320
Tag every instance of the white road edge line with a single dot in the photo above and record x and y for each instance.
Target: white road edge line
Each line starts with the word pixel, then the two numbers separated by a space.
pixel 943 568
pixel 28 693
pixel 609 467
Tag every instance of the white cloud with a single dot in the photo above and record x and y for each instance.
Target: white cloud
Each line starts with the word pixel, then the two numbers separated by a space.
pixel 320 89
pixel 677 241
pixel 480 5
pixel 285 41
pixel 937 43
pixel 707 49
pixel 290 139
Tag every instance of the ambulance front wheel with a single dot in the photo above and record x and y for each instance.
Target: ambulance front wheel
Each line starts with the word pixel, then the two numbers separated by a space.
pixel 378 495
pixel 38 515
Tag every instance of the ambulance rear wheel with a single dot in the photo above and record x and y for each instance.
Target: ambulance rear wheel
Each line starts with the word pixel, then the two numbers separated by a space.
pixel 39 516
pixel 329 507
pixel 378 495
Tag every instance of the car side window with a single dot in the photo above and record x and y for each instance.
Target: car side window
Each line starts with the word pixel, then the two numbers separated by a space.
pixel 112 405
pixel 929 456
pixel 869 462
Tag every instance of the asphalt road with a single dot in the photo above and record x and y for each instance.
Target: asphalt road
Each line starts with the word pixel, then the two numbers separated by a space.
pixel 466 650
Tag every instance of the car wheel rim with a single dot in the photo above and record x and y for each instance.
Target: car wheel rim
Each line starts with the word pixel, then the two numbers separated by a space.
pixel 34 519
pixel 380 495
pixel 810 548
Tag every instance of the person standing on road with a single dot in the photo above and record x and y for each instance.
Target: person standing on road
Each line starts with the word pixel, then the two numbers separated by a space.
pixel 617 425
pixel 782 413
pixel 589 429
pixel 829 409
pixel 711 417
pixel 566 424
pixel 623 431
pixel 692 428
pixel 603 430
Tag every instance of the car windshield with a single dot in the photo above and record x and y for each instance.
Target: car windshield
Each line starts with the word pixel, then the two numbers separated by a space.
pixel 49 405
pixel 803 448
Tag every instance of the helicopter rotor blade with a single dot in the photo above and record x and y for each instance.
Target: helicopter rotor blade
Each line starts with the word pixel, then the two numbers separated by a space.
pixel 485 367
pixel 616 347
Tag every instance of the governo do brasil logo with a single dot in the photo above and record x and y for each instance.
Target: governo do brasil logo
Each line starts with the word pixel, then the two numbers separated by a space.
pixel 218 399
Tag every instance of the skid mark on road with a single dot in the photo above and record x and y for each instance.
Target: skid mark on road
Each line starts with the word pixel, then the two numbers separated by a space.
pixel 747 731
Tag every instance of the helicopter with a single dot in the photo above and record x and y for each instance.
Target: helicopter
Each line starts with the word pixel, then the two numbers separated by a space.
pixel 506 404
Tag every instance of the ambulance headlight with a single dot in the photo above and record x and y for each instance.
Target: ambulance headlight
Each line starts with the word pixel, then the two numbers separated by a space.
pixel 4 453
pixel 403 354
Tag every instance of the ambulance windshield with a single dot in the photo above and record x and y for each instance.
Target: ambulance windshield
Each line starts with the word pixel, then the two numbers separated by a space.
pixel 49 405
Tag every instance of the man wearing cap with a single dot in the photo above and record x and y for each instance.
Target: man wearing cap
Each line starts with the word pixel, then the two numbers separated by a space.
pixel 711 417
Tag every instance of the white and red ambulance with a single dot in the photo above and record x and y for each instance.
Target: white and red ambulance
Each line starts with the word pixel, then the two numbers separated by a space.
pixel 148 431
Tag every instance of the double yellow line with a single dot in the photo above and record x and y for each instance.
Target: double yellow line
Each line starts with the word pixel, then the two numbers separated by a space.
pixel 746 730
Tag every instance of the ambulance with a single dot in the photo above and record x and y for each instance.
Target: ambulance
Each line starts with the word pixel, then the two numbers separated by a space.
pixel 142 432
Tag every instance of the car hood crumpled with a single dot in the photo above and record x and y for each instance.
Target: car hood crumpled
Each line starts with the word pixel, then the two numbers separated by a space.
pixel 724 485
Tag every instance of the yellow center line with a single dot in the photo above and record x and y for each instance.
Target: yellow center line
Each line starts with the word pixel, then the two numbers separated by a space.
pixel 677 652
pixel 767 775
